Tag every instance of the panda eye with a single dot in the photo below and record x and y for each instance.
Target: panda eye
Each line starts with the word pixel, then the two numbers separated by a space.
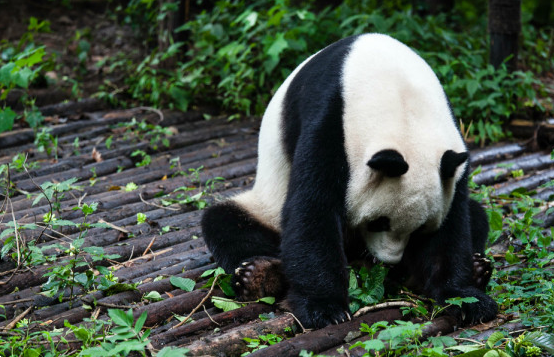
pixel 381 224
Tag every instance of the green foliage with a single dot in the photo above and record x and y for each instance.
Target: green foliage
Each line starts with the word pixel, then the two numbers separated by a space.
pixel 365 287
pixel 141 218
pixel 401 339
pixel 501 345
pixel 46 142
pixel 263 341
pixel 223 280
pixel 19 66
pixel 55 192
pixel 126 338
pixel 242 51
pixel 142 130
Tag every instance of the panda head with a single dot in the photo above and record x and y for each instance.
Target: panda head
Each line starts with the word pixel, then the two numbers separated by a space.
pixel 400 199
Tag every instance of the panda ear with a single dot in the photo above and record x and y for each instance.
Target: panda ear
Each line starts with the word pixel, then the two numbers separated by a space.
pixel 389 162
pixel 450 161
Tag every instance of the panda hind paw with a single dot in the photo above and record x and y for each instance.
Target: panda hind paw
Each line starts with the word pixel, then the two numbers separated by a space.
pixel 258 277
pixel 482 271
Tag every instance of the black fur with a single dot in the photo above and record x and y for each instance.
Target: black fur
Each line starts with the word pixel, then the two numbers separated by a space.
pixel 389 162
pixel 450 161
pixel 314 214
pixel 234 236
pixel 315 234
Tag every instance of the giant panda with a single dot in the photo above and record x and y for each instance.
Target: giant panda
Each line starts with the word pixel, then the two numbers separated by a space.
pixel 360 157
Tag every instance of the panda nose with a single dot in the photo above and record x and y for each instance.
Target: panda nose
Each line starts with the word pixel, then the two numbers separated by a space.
pixel 381 224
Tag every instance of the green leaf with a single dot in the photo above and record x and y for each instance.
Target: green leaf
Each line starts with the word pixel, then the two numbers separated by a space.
pixel 496 220
pixel 153 296
pixel 121 317
pixel 494 338
pixel 172 352
pixel 472 87
pixel 141 218
pixel 268 300
pixel 140 322
pixel 376 345
pixel 7 117
pixel 225 304
pixel 182 283
pixel 458 301
pixel 542 339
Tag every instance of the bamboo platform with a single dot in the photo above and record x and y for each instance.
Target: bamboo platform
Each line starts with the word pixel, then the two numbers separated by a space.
pixel 212 148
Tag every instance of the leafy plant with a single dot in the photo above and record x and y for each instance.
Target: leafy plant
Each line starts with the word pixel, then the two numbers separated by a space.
pixel 400 339
pixel 127 336
pixel 366 286
pixel 526 344
pixel 263 341
pixel 55 192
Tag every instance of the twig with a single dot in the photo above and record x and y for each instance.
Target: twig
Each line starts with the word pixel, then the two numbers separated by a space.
pixel 297 321
pixel 113 226
pixel 157 206
pixel 149 246
pixel 119 264
pixel 18 318
pixel 198 306
pixel 157 111
pixel 16 233
pixel 7 272
pixel 17 301
pixel 366 309
pixel 209 316
pixel 81 198
pixel 414 296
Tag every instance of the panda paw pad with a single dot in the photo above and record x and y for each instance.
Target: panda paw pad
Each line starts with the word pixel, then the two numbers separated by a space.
pixel 259 277
pixel 482 271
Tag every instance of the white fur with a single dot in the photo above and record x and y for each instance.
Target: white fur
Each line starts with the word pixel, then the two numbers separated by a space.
pixel 393 100
pixel 267 197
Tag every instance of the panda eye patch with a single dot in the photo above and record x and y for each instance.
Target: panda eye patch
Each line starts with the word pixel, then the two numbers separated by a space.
pixel 381 224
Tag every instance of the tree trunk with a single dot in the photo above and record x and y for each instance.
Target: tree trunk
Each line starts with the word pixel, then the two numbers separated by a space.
pixel 504 29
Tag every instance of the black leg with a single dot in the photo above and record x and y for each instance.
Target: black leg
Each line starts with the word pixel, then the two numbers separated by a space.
pixel 233 235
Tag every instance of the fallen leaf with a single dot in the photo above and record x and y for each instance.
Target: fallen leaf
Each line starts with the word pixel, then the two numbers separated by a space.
pixel 96 156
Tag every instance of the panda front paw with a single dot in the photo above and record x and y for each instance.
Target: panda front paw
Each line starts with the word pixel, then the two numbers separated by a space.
pixel 482 271
pixel 318 313
pixel 259 277
pixel 478 312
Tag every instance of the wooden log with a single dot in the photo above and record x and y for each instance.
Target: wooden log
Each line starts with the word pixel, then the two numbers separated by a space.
pixel 533 162
pixel 495 153
pixel 231 343
pixel 182 304
pixel 327 337
pixel 184 334
pixel 72 108
pixel 528 183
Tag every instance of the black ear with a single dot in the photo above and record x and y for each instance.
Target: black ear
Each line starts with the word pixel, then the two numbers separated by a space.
pixel 450 161
pixel 389 162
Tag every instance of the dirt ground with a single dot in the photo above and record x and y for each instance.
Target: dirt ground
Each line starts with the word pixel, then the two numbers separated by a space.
pixel 94 21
